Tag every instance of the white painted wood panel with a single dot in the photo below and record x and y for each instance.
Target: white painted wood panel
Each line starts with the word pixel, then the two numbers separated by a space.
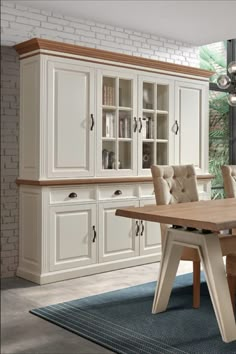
pixel 71 233
pixel 30 228
pixel 192 117
pixel 150 239
pixel 70 105
pixel 29 119
pixel 117 238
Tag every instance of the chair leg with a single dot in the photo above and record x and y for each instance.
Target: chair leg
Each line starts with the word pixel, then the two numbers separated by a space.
pixel 196 284
pixel 232 288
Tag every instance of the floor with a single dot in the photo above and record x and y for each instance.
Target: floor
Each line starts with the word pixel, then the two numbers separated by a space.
pixel 22 332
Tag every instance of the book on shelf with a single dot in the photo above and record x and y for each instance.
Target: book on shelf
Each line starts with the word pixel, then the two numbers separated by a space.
pixel 109 125
pixel 108 95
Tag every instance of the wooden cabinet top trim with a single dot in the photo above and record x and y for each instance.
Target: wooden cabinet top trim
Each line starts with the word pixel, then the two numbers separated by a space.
pixel 35 44
pixel 65 182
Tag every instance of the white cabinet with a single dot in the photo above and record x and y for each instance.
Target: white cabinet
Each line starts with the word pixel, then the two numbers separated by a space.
pixel 72 236
pixel 70 118
pixel 191 125
pixel 118 239
pixel 91 124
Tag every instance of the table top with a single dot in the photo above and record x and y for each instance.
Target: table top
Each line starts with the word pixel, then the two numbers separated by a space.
pixel 214 215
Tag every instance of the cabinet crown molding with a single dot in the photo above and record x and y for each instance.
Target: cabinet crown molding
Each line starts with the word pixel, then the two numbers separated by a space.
pixel 36 44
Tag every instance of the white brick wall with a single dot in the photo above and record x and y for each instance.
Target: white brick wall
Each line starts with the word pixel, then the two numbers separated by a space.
pixel 20 23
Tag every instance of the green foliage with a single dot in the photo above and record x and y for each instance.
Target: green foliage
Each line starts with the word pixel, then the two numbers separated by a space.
pixel 211 59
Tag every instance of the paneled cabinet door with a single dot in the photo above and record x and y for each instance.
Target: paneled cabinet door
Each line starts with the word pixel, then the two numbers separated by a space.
pixel 73 240
pixel 117 128
pixel 191 124
pixel 71 119
pixel 155 119
pixel 150 234
pixel 118 236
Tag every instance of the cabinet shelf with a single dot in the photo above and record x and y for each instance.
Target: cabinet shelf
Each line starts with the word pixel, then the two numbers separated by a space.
pixel 164 141
pixel 108 139
pixel 158 111
pixel 109 107
pixel 125 108
pixel 124 139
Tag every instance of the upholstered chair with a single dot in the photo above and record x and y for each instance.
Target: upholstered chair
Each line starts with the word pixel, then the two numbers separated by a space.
pixel 178 184
pixel 229 177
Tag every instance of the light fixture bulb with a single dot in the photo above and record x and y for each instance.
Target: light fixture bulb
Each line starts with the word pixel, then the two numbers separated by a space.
pixel 223 81
pixel 232 68
pixel 232 99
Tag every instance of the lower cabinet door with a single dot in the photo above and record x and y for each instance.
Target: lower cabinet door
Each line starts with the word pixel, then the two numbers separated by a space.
pixel 150 234
pixel 73 240
pixel 118 236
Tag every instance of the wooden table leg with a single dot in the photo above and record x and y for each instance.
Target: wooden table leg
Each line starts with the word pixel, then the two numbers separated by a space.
pixel 209 249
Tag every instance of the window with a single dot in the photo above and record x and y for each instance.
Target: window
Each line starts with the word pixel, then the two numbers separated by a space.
pixel 222 117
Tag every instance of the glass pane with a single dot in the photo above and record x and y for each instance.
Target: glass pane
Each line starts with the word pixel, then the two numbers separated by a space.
pixel 108 123
pixel 218 138
pixel 162 97
pixel 108 155
pixel 108 98
pixel 213 57
pixel 124 161
pixel 162 126
pixel 148 126
pixel 148 96
pixel 125 94
pixel 125 124
pixel 148 154
pixel 161 154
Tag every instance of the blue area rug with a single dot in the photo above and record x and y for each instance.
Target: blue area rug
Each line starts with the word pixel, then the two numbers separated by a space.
pixel 122 321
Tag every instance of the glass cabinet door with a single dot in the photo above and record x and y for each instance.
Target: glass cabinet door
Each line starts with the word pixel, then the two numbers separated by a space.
pixel 153 124
pixel 116 155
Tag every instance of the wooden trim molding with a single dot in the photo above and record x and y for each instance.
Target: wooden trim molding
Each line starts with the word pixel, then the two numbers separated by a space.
pixel 36 44
pixel 66 182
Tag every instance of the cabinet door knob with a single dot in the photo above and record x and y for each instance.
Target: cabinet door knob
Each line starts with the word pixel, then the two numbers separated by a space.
pixel 177 127
pixel 140 125
pixel 137 228
pixel 92 118
pixel 142 228
pixel 135 124
pixel 118 192
pixel 94 233
pixel 73 195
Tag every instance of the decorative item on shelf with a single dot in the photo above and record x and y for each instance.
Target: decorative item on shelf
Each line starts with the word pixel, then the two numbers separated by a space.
pixel 124 128
pixel 146 99
pixel 150 128
pixel 147 154
pixel 105 159
pixel 229 82
pixel 111 160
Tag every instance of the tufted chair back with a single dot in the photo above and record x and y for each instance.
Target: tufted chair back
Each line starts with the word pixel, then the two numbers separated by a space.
pixel 174 184
pixel 229 176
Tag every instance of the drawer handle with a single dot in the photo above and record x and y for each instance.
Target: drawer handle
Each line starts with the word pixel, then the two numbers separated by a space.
pixel 73 195
pixel 135 124
pixel 94 233
pixel 137 228
pixel 142 229
pixel 118 192
pixel 141 125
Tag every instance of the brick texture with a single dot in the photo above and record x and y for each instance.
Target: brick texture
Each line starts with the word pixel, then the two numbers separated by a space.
pixel 20 23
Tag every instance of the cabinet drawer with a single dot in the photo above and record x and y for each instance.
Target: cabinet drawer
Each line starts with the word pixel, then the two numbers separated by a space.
pixel 72 194
pixel 118 191
pixel 147 190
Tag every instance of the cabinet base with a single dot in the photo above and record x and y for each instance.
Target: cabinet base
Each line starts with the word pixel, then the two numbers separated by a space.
pixel 61 275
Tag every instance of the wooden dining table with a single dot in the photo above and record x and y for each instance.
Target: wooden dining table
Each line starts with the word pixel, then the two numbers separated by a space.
pixel 199 226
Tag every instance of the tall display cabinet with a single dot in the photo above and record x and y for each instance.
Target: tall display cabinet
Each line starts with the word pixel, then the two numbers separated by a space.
pixel 92 123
